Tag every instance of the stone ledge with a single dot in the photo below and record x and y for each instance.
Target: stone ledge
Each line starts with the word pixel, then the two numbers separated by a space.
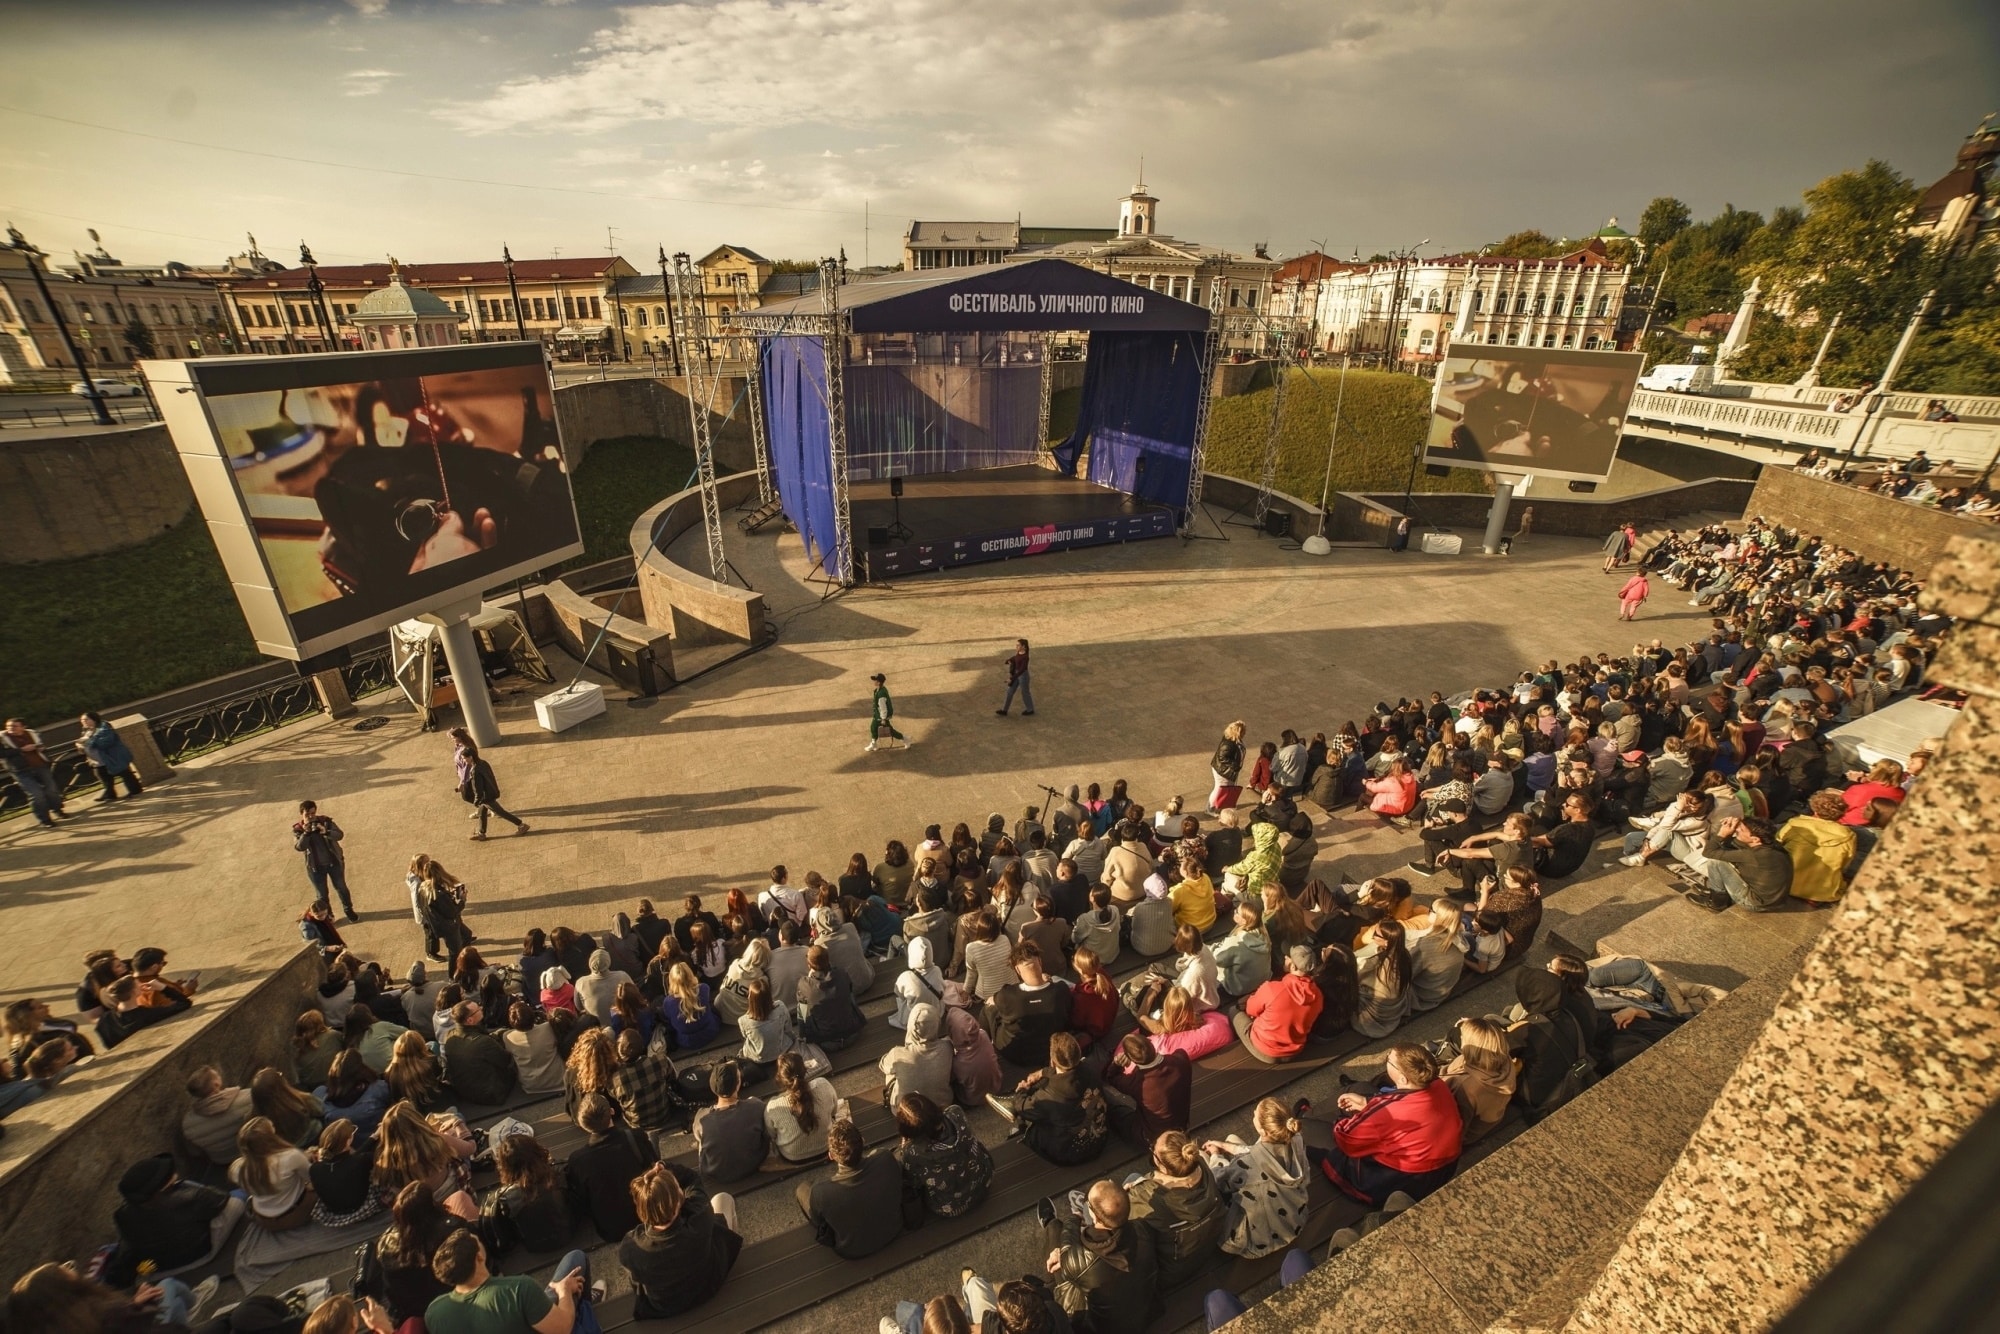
pixel 1527 1228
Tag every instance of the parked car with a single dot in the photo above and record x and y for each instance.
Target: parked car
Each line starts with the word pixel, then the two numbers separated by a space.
pixel 107 389
pixel 1671 379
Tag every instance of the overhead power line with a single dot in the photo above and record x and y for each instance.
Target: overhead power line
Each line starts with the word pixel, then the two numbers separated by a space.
pixel 421 175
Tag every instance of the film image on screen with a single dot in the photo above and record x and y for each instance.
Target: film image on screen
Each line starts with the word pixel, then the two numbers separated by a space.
pixel 1551 412
pixel 381 484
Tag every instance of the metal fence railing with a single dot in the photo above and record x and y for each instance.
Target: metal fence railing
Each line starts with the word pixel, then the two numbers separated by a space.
pixel 124 411
pixel 214 723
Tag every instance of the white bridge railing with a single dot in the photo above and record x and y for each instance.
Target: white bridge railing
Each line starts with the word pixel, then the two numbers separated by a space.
pixel 1967 446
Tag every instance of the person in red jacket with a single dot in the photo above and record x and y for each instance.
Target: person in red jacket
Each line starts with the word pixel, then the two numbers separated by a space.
pixel 1884 781
pixel 1276 1020
pixel 1406 1138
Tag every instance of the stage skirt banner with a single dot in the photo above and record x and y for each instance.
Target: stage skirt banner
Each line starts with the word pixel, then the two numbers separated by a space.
pixel 1032 540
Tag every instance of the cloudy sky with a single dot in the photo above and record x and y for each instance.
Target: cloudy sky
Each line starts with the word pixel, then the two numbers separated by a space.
pixel 436 130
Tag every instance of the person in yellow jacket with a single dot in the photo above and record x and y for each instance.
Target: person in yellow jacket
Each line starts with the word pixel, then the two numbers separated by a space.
pixel 1820 847
pixel 1193 896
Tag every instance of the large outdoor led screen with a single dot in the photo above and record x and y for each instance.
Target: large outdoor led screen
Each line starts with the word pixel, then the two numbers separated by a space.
pixel 1550 412
pixel 350 491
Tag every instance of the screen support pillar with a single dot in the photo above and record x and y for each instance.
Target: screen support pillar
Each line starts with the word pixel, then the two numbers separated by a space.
pixel 468 674
pixel 1496 518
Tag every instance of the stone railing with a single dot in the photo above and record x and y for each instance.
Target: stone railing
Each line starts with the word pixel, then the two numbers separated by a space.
pixel 1969 446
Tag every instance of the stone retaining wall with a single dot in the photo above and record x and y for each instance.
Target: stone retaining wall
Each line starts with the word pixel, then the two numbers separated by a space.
pixel 89 492
pixel 1372 516
pixel 1909 536
pixel 63 1155
pixel 592 410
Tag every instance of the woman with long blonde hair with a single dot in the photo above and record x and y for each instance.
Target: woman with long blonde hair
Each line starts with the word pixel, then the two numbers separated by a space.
pixel 275 1174
pixel 408 1148
pixel 1481 1076
pixel 693 1019
pixel 414 1074
pixel 1184 1026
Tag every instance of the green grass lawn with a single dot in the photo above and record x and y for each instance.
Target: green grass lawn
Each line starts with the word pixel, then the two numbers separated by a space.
pixel 620 480
pixel 104 630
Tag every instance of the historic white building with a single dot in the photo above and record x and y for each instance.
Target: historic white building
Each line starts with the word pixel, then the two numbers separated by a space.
pixel 1238 285
pixel 1411 311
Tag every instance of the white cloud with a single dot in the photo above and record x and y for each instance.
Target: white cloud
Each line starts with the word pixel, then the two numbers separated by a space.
pixel 766 64
pixel 366 82
pixel 370 8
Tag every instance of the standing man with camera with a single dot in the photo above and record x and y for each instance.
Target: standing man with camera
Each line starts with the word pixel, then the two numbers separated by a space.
pixel 318 837
pixel 1017 679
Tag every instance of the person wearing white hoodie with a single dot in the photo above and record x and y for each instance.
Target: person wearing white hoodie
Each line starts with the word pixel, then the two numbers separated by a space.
pixel 922 983
pixel 923 1063
pixel 596 989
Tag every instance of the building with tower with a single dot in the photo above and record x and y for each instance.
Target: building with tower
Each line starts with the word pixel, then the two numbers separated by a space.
pixel 1236 284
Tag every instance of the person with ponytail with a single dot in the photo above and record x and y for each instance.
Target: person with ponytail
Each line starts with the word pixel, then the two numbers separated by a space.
pixel 797 1119
pixel 1265 1183
pixel 1384 971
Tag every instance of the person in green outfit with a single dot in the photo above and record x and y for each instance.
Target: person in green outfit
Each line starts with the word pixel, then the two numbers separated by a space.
pixel 879 721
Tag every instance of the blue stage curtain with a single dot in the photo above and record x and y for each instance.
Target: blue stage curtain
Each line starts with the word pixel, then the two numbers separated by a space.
pixel 1141 396
pixel 795 424
pixel 909 420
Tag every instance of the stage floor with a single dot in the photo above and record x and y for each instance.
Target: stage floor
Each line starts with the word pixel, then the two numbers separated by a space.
pixel 983 500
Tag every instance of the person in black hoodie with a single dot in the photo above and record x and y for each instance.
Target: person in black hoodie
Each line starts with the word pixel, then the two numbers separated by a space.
pixel 601 1173
pixel 1549 1042
pixel 477 1064
pixel 530 1209
pixel 1595 1024
pixel 1107 1259
pixel 826 998
pixel 167 1222
pixel 1058 1109
pixel 859 1209
pixel 685 1244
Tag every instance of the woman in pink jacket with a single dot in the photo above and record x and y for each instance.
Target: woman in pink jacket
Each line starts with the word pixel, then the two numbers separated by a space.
pixel 1394 794
pixel 1629 597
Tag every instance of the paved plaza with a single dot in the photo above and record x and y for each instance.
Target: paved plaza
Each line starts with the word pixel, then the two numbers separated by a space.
pixel 1142 654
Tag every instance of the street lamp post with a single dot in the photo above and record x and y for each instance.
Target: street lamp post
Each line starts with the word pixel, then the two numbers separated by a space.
pixel 16 241
pixel 318 290
pixel 513 293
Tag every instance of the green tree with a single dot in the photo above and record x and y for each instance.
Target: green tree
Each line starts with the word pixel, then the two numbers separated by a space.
pixel 139 338
pixel 1664 219
pixel 1527 245
pixel 1850 253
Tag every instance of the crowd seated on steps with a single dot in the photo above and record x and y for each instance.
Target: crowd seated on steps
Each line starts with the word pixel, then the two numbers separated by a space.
pixel 1223 923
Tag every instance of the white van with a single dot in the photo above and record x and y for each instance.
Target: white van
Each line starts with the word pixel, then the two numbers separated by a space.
pixel 1670 379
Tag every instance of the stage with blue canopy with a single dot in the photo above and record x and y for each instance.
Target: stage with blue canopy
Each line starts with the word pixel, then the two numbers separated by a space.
pixel 935 379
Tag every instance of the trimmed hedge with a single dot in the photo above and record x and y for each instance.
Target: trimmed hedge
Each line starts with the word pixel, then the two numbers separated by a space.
pixel 1382 417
